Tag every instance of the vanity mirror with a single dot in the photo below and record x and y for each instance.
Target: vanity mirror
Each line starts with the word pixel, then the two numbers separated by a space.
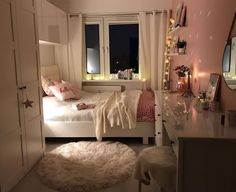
pixel 229 58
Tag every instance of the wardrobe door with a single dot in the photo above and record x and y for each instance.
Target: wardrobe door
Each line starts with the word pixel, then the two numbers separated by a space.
pixel 29 64
pixel 11 150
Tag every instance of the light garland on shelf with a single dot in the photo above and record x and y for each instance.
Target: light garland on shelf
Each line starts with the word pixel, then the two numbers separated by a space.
pixel 169 46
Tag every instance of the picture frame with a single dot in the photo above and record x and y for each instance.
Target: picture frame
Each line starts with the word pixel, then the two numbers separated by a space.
pixel 182 21
pixel 213 87
pixel 178 14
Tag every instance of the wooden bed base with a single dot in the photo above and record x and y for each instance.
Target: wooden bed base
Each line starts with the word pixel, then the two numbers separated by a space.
pixel 86 129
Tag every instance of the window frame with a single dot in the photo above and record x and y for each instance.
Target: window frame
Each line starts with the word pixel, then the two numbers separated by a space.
pixel 104 22
pixel 118 20
pixel 92 21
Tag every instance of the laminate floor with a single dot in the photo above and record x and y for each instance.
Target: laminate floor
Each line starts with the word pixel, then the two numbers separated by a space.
pixel 31 182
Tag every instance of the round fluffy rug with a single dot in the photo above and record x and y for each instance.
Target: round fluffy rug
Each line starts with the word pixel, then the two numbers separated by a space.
pixel 86 166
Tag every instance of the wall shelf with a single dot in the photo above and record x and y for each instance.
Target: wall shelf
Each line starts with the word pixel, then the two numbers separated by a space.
pixel 174 30
pixel 174 54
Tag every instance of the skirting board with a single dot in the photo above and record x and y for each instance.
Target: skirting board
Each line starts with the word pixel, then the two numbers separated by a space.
pixel 86 129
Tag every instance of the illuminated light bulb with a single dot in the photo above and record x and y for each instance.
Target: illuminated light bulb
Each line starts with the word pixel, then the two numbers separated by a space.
pixel 88 77
pixel 144 79
pixel 172 20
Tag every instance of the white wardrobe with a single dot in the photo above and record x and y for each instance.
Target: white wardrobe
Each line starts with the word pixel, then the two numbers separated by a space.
pixel 21 133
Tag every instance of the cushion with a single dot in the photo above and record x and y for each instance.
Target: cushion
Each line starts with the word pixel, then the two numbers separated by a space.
pixel 46 83
pixel 62 92
pixel 73 88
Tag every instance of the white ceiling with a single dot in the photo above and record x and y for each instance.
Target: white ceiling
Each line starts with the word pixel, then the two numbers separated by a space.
pixel 111 6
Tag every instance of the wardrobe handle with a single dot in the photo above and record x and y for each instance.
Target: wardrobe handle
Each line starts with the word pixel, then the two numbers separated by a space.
pixel 172 142
pixel 23 87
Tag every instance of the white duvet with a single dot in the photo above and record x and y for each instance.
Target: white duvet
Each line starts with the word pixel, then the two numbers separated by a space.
pixel 112 109
pixel 56 110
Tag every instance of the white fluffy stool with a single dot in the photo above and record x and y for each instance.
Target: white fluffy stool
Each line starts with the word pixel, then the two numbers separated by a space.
pixel 159 163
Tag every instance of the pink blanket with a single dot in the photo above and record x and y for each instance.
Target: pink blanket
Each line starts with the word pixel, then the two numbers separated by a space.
pixel 146 109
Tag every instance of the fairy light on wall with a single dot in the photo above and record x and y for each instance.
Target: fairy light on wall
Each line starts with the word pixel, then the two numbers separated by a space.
pixel 168 49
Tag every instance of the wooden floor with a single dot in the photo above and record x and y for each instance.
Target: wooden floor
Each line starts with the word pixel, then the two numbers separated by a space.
pixel 31 182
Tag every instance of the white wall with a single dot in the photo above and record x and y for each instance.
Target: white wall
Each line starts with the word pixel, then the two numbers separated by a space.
pixel 111 6
pixel 47 54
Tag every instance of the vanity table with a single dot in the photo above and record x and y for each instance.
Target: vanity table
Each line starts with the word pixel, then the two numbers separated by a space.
pixel 205 149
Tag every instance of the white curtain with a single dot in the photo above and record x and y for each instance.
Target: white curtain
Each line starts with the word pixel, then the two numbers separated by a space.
pixel 75 50
pixel 152 35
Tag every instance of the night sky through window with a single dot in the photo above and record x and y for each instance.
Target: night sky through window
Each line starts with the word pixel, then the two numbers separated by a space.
pixel 123 43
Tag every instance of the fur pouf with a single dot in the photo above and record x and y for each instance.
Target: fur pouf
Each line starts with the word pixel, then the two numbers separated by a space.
pixel 86 166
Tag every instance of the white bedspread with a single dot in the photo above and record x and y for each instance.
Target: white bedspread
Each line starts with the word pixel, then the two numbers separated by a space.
pixel 55 110
pixel 112 109
pixel 120 109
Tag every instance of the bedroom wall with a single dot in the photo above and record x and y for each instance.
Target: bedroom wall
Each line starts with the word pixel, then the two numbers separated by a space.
pixel 47 54
pixel 110 6
pixel 208 25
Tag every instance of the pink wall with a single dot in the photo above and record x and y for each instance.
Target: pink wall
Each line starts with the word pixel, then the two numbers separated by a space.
pixel 208 25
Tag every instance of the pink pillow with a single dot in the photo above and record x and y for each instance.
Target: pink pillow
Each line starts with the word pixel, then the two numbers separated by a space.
pixel 62 92
pixel 46 83
pixel 74 89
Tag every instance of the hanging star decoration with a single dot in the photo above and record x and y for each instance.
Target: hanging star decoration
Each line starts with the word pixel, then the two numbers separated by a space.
pixel 28 103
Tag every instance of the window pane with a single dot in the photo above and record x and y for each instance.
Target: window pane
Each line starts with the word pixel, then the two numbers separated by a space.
pixel 123 40
pixel 92 48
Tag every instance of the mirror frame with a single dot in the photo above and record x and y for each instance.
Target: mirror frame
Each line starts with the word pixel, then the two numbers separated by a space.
pixel 228 43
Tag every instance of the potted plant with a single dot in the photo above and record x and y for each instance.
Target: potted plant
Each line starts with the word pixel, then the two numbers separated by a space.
pixel 182 71
pixel 181 45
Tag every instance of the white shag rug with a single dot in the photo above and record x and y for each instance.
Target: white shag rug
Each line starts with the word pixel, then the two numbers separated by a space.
pixel 86 166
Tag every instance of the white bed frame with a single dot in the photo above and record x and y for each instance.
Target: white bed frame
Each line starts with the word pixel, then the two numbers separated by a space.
pixel 86 128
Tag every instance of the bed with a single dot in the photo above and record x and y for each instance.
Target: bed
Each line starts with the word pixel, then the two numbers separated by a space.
pixel 62 119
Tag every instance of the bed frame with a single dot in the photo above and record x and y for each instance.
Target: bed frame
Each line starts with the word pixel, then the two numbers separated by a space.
pixel 86 129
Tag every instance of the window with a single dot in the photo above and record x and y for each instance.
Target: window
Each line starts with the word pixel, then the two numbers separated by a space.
pixel 92 48
pixel 111 44
pixel 123 43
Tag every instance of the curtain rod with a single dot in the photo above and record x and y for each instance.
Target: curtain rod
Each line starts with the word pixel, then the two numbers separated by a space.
pixel 121 14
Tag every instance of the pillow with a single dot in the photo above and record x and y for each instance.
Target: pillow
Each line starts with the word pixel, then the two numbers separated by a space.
pixel 46 83
pixel 74 89
pixel 62 92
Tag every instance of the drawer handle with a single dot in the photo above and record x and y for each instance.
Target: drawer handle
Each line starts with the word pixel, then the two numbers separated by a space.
pixel 172 142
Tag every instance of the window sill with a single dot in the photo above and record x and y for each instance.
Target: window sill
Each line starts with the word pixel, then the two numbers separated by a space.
pixel 114 81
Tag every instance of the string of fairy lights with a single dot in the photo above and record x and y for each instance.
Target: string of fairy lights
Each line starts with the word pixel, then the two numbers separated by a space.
pixel 170 44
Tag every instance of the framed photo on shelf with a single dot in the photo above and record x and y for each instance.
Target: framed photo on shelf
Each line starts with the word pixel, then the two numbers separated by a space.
pixel 178 14
pixel 182 21
pixel 213 87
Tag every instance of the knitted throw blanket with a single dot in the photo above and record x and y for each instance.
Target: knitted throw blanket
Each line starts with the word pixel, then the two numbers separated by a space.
pixel 120 110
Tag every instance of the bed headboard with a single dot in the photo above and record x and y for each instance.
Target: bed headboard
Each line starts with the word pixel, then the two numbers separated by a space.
pixel 51 72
